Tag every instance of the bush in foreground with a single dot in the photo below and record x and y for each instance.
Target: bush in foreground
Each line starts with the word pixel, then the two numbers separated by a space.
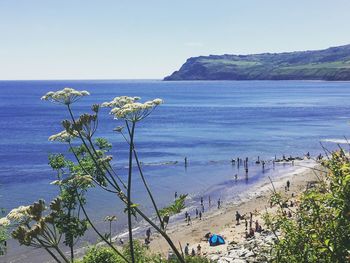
pixel 319 230
pixel 107 255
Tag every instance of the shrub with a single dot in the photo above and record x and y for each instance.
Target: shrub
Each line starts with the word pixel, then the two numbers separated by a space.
pixel 320 228
pixel 101 255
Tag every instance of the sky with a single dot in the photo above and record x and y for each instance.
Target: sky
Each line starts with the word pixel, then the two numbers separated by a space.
pixel 149 39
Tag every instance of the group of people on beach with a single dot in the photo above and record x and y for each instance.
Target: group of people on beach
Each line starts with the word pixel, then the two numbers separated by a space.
pixel 252 230
pixel 199 211
pixel 193 251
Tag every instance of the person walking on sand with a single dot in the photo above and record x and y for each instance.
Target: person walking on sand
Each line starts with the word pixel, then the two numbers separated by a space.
pixel 246 224
pixel 196 213
pixel 199 250
pixel 193 252
pixel 200 215
pixel 186 215
pixel 288 185
pixel 256 225
pixel 238 216
pixel 166 220
pixel 219 203
pixel 187 249
pixel 189 220
pixel 148 233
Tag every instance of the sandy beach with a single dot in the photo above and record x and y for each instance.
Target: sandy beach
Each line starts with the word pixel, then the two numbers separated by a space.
pixel 222 221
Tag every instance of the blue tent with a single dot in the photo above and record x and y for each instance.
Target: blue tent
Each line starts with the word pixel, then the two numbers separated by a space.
pixel 216 240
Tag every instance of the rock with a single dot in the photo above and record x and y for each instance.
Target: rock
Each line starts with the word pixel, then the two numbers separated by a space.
pixel 238 260
pixel 249 254
pixel 214 257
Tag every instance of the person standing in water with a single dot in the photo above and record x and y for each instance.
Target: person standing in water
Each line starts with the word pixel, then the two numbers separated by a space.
pixel 175 195
pixel 288 185
pixel 209 201
pixel 219 203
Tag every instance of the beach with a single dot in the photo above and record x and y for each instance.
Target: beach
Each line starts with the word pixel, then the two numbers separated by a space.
pixel 222 221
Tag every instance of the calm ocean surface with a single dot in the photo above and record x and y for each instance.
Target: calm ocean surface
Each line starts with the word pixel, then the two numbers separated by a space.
pixel 209 122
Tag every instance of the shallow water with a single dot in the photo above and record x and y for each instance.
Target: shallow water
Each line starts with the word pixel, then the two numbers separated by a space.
pixel 208 122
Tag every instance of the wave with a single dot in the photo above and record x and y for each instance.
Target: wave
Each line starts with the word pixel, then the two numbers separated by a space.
pixel 339 141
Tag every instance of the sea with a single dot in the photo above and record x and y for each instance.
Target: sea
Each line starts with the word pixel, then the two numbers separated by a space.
pixel 207 122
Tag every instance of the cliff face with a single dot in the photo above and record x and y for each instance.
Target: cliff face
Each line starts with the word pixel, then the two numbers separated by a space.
pixel 328 64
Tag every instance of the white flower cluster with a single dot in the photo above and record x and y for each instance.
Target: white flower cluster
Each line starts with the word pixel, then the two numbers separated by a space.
pixel 129 109
pixel 65 96
pixel 63 136
pixel 77 179
pixel 4 221
pixel 18 213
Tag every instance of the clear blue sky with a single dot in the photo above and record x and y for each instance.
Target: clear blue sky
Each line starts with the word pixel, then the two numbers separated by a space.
pixel 113 39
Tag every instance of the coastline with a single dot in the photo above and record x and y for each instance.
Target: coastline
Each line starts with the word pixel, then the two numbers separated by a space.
pixel 219 221
pixel 222 221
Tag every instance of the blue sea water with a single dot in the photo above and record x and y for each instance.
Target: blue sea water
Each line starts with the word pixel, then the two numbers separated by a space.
pixel 209 122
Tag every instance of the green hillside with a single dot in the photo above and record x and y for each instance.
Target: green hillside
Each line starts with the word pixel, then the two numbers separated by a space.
pixel 329 64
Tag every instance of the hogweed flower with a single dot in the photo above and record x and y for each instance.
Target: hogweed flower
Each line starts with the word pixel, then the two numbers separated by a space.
pixel 4 221
pixel 17 214
pixel 66 96
pixel 56 182
pixel 118 129
pixel 63 136
pixel 86 125
pixel 129 109
pixel 81 180
pixel 110 218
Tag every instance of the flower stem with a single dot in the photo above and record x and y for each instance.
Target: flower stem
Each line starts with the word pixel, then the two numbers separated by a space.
pixel 131 148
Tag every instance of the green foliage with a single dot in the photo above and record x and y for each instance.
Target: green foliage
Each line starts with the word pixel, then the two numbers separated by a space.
pixel 175 208
pixel 3 235
pixel 107 255
pixel 101 255
pixel 57 161
pixel 103 144
pixel 320 229
pixel 140 252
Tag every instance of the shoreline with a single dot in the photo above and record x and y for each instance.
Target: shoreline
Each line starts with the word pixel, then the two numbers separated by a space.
pixel 218 221
pixel 222 221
